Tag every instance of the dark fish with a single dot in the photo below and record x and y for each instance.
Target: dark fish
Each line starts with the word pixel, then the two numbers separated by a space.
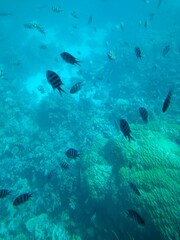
pixel 134 188
pixel 76 87
pixel 151 16
pixel 67 57
pixel 136 217
pixel 90 20
pixel 22 198
pixel 177 141
pixel 144 114
pixel 146 24
pixel 137 52
pixel 159 3
pixel 167 101
pixel 130 165
pixel 4 193
pixel 4 14
pixel 166 50
pixel 125 129
pixel 64 165
pixel 41 29
pixel 72 153
pixel 54 80
pixel 51 173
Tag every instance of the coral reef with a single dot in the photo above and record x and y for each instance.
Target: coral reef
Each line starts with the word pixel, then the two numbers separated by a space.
pixel 155 170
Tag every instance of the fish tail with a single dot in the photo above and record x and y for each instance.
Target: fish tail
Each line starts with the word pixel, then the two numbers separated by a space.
pixel 9 192
pixel 61 90
pixel 31 194
pixel 80 155
pixel 130 138
pixel 78 63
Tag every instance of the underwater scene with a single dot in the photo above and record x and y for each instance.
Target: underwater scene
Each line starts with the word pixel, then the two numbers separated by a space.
pixel 90 120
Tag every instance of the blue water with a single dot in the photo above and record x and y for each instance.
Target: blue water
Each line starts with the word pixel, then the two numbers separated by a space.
pixel 91 199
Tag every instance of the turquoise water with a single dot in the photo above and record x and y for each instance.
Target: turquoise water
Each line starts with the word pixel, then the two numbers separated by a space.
pixel 90 199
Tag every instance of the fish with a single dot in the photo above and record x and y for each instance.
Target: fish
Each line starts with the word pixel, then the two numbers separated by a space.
pixel 50 174
pixel 74 14
pixel 2 74
pixel 41 89
pixel 166 50
pixel 67 57
pixel 167 101
pixel 54 80
pixel 43 46
pixel 72 153
pixel 5 14
pixel 134 188
pixel 146 24
pixel 159 3
pixel 74 26
pixel 122 26
pixel 56 9
pixel 29 25
pixel 4 193
pixel 151 16
pixel 93 217
pixel 124 126
pixel 76 87
pixel 144 114
pixel 137 52
pixel 111 55
pixel 136 217
pixel 130 165
pixel 35 25
pixel 90 20
pixel 41 29
pixel 22 198
pixel 64 165
pixel 177 141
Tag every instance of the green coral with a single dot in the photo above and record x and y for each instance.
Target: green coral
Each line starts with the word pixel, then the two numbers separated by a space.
pixel 156 171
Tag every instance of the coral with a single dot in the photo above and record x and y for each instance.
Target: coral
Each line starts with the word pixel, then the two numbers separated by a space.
pixel 97 181
pixel 156 171
pixel 59 233
pixel 97 174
